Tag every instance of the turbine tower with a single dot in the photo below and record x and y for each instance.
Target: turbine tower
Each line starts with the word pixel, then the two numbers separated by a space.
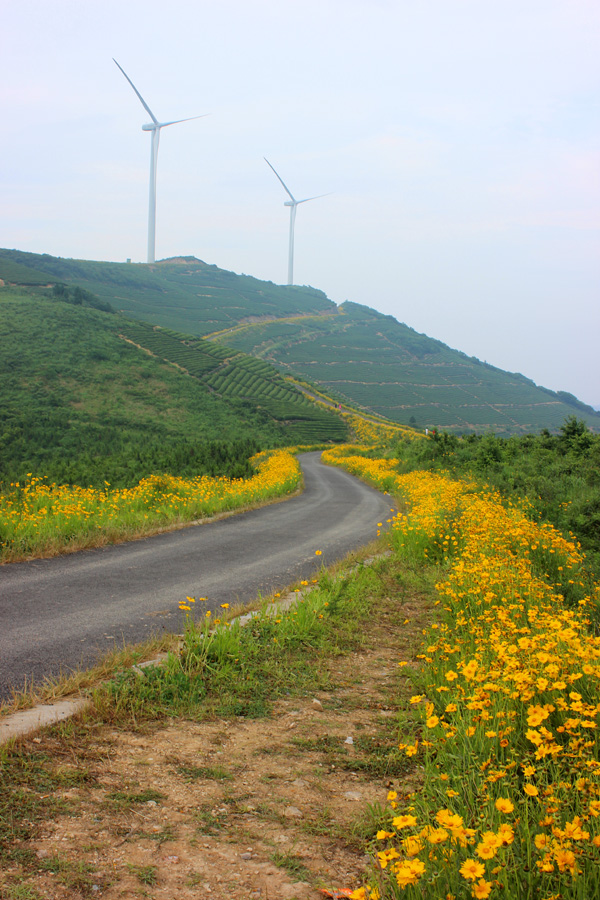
pixel 154 127
pixel 293 204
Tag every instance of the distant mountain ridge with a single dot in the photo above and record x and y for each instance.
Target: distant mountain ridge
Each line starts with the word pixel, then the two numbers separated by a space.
pixel 351 351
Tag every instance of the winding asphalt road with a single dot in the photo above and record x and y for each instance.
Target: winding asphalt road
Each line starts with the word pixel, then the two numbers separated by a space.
pixel 58 614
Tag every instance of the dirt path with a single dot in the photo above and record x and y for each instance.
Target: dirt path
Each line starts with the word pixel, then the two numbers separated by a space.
pixel 264 809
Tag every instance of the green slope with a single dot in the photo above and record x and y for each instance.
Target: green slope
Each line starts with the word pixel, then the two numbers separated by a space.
pixel 385 366
pixel 353 351
pixel 185 293
pixel 87 395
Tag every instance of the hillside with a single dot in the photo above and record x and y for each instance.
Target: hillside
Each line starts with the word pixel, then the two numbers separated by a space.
pixel 89 395
pixel 383 365
pixel 351 351
pixel 185 293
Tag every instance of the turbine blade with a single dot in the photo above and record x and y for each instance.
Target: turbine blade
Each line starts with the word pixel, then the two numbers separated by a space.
pixel 286 188
pixel 318 197
pixel 143 102
pixel 177 121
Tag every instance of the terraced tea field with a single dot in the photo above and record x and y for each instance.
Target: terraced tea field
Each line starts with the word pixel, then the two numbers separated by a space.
pixel 235 376
pixel 384 366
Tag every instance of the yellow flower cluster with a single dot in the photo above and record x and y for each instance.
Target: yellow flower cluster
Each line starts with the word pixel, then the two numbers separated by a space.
pixel 37 517
pixel 510 701
pixel 369 432
pixel 379 472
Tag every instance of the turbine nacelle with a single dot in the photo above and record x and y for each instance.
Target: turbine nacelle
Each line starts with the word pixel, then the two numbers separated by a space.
pixel 150 127
pixel 289 202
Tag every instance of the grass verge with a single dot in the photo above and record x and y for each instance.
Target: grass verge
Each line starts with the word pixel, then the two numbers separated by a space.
pixel 225 675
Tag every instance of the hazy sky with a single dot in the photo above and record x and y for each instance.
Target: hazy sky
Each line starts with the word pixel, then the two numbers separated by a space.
pixel 459 139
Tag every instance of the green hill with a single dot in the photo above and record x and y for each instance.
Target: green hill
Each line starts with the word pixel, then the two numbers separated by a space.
pixel 88 395
pixel 351 351
pixel 183 293
pixel 383 365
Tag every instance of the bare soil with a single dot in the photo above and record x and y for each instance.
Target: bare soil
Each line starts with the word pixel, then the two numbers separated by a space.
pixel 229 809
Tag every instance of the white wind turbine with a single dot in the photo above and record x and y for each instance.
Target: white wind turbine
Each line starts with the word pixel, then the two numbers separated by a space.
pixel 154 127
pixel 292 203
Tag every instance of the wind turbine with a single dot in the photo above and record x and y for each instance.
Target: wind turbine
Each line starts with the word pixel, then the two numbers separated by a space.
pixel 154 127
pixel 293 204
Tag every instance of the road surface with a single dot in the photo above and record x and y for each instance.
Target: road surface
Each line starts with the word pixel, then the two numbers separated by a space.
pixel 59 614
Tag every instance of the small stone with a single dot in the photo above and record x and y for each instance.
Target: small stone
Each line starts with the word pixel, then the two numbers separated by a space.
pixel 352 795
pixel 349 739
pixel 292 812
pixel 151 803
pixel 245 856
pixel 299 783
pixel 317 704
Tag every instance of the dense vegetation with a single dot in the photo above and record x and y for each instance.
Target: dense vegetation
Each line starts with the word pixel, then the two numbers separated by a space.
pixel 80 403
pixel 364 357
pixel 558 474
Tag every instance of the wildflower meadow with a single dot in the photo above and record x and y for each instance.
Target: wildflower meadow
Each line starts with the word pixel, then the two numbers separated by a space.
pixel 509 800
pixel 38 518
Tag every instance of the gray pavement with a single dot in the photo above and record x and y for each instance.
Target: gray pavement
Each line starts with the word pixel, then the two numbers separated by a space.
pixel 63 613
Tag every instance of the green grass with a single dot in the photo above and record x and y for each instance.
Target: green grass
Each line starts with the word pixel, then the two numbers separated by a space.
pixel 22 892
pixel 131 798
pixel 208 820
pixel 144 874
pixel 373 756
pixel 164 836
pixel 208 773
pixel 30 788
pixel 292 864
pixel 242 671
